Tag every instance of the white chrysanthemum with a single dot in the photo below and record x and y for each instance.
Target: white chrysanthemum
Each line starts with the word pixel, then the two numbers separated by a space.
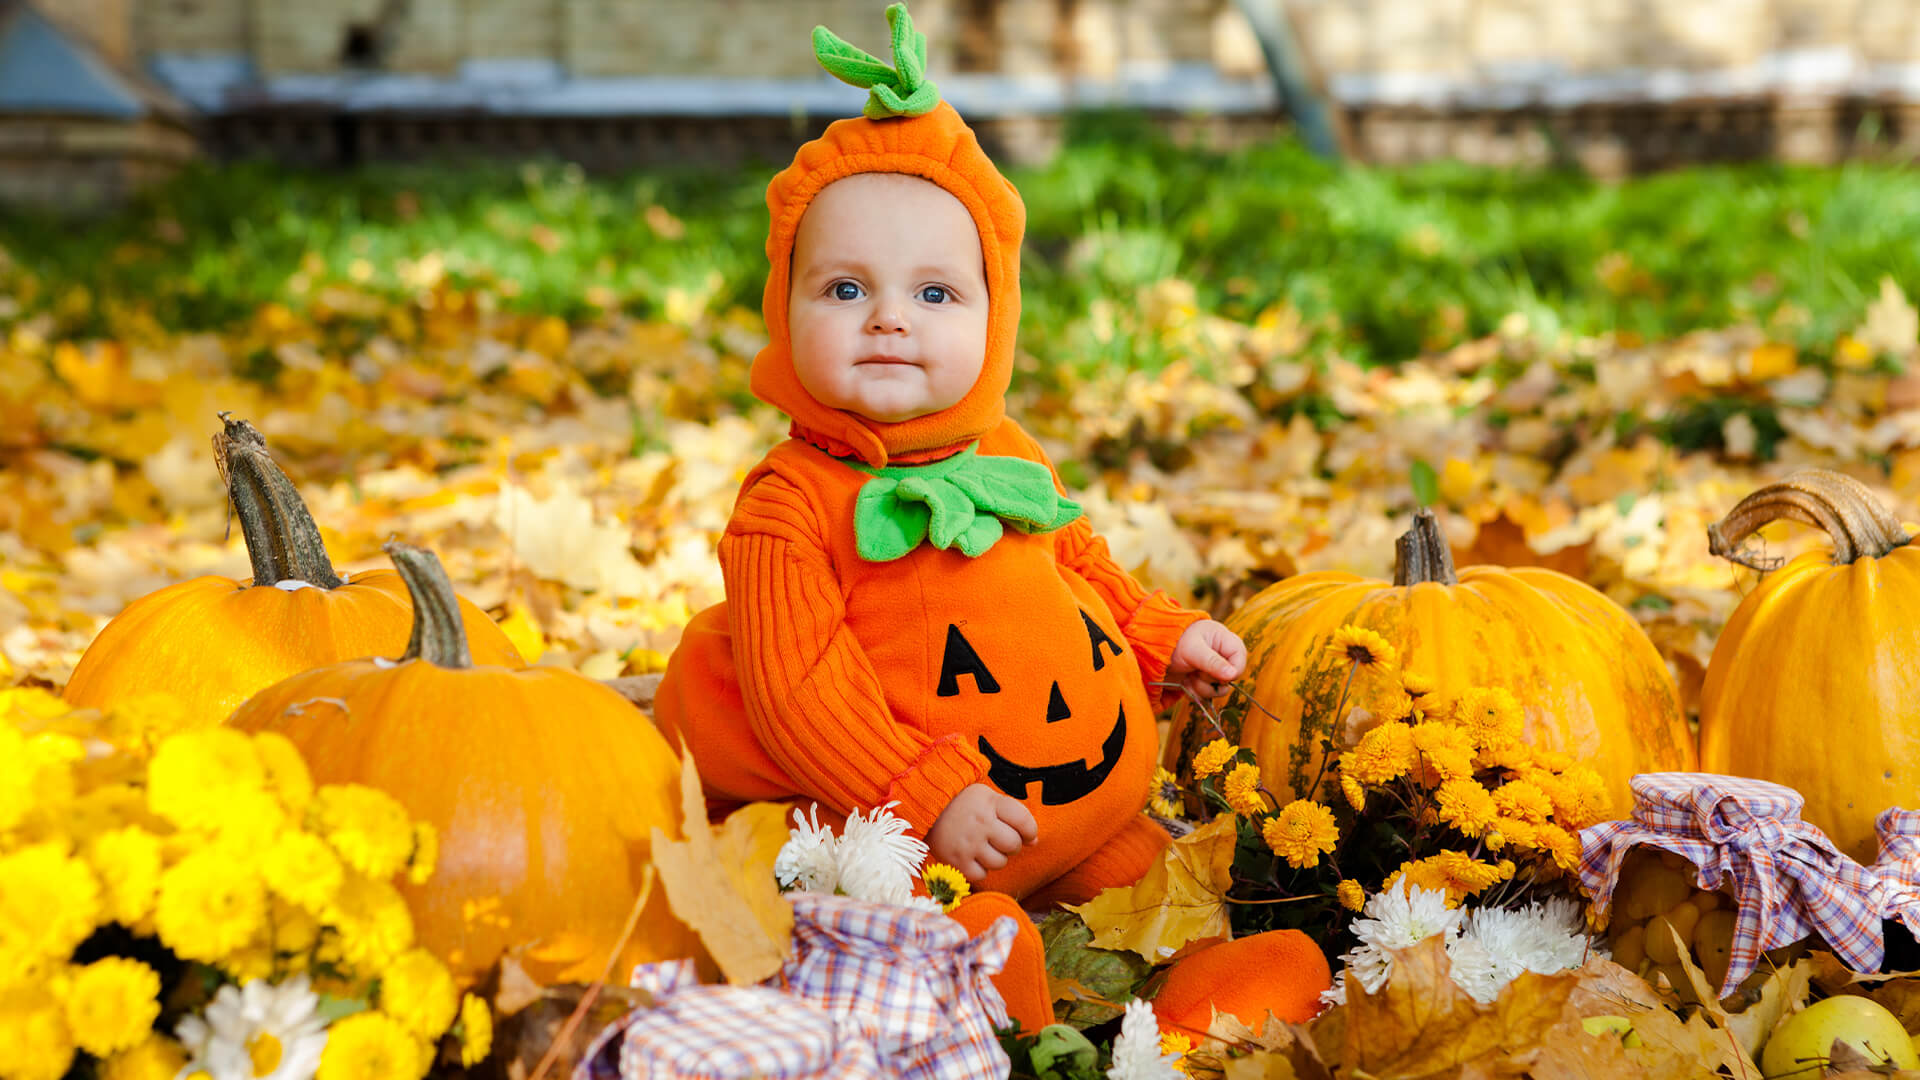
pixel 1497 944
pixel 1136 1053
pixel 876 859
pixel 1337 993
pixel 805 862
pixel 259 1032
pixel 1401 918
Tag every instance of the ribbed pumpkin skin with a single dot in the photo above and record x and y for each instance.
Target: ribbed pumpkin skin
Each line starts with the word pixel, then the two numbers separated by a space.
pixel 1815 684
pixel 213 642
pixel 1592 683
pixel 544 786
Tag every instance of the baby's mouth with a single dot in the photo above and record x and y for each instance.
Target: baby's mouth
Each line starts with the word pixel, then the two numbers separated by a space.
pixel 885 360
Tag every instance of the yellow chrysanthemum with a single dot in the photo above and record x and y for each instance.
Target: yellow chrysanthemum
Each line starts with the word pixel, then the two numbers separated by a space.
pixel 1384 754
pixel 1466 806
pixel 1416 683
pixel 49 903
pixel 17 773
pixel 367 826
pixel 32 703
pixel 1212 758
pixel 1355 792
pixel 1444 749
pixel 1520 799
pixel 302 868
pixel 111 1005
pixel 1352 895
pixel 946 885
pixel 476 1031
pixel 1491 716
pixel 1301 833
pixel 371 1046
pixel 1456 873
pixel 197 778
pixel 1561 845
pixel 1512 756
pixel 36 775
pixel 127 862
pixel 287 771
pixel 1173 1042
pixel 372 922
pixel 140 722
pixel 418 991
pixel 208 906
pixel 1554 760
pixel 294 929
pixel 426 852
pixel 34 1041
pixel 1359 645
pixel 1511 831
pixel 155 1058
pixel 1386 703
pixel 1241 789
pixel 1587 801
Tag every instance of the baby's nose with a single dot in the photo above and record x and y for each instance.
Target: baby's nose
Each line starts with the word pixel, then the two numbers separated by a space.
pixel 887 319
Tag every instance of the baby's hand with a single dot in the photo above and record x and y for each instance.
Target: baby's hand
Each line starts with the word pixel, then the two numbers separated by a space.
pixel 979 829
pixel 1207 651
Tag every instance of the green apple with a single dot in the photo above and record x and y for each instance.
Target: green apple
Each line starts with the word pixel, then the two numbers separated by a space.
pixel 1801 1047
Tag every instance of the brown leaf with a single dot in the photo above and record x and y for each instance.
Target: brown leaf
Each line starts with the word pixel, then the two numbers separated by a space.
pixel 1669 1047
pixel 1421 1024
pixel 1180 899
pixel 1502 542
pixel 721 887
pixel 1786 988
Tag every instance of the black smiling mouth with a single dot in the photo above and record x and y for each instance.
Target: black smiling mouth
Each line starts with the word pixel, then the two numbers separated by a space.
pixel 1058 783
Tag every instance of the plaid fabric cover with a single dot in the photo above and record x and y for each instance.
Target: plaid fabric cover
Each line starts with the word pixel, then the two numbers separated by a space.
pixel 1788 878
pixel 696 1032
pixel 908 976
pixel 1898 864
pixel 874 991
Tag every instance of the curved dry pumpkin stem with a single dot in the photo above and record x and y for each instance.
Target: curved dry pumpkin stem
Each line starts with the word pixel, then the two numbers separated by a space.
pixel 1421 553
pixel 1835 503
pixel 438 635
pixel 283 543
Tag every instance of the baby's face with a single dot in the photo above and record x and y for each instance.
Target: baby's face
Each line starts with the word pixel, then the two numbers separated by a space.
pixel 888 308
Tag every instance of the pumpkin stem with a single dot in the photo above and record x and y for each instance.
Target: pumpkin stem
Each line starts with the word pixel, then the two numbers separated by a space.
pixel 1421 553
pixel 438 635
pixel 282 541
pixel 1859 525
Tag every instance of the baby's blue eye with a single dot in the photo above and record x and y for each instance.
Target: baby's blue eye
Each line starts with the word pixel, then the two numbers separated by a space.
pixel 934 294
pixel 846 290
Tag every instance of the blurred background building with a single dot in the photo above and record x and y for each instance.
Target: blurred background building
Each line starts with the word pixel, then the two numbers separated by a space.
pixel 97 96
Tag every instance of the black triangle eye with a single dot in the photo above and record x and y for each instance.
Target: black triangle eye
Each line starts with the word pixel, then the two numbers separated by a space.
pixel 1057 706
pixel 1098 637
pixel 960 659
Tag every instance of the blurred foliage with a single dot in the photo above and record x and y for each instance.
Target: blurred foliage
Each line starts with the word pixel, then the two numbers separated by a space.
pixel 1383 264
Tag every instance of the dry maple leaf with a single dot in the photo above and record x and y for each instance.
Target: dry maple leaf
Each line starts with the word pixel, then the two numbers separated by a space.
pixel 722 885
pixel 1182 898
pixel 1422 1024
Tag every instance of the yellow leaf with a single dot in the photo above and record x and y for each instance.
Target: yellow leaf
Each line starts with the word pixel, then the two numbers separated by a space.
pixel 1422 1024
pixel 1772 360
pixel 524 633
pixel 719 886
pixel 1181 899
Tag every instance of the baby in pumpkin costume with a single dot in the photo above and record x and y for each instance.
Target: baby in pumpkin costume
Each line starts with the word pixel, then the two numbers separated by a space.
pixel 916 614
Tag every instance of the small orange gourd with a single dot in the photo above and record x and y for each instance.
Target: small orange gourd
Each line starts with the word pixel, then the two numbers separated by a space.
pixel 1815 680
pixel 1282 972
pixel 1592 683
pixel 213 641
pixel 543 784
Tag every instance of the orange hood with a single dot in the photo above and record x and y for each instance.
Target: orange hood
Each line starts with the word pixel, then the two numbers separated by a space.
pixel 936 146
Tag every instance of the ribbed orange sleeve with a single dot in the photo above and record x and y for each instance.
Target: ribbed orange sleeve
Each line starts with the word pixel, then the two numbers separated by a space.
pixel 813 698
pixel 1150 621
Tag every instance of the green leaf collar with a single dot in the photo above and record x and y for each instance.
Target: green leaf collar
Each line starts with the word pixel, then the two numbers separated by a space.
pixel 957 503
pixel 900 90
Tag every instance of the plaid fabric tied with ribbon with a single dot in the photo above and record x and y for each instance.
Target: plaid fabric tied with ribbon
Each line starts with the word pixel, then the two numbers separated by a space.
pixel 873 992
pixel 1788 878
pixel 1898 864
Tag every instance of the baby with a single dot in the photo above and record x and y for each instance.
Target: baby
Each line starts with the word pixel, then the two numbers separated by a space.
pixel 915 612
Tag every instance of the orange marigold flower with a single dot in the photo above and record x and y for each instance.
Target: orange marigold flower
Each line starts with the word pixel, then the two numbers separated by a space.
pixel 1524 800
pixel 1385 753
pixel 1301 832
pixel 1491 716
pixel 1363 647
pixel 1241 789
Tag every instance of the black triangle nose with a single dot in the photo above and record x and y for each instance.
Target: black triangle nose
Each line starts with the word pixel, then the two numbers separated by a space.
pixel 1056 705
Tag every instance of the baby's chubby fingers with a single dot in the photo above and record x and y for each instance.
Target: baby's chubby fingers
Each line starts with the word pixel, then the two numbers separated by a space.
pixel 1014 814
pixel 1002 838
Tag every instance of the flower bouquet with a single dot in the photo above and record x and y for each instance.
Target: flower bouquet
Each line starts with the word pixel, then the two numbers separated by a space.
pixel 187 899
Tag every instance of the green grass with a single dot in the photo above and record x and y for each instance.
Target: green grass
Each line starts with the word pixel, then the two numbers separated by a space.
pixel 1385 263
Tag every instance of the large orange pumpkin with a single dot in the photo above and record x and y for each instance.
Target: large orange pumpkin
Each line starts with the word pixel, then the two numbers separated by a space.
pixel 213 641
pixel 1592 683
pixel 1815 680
pixel 544 786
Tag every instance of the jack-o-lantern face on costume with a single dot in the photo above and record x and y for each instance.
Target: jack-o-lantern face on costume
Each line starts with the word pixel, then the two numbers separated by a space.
pixel 1063 782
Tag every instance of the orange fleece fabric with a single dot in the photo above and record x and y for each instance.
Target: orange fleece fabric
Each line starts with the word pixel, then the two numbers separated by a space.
pixel 936 146
pixel 853 683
